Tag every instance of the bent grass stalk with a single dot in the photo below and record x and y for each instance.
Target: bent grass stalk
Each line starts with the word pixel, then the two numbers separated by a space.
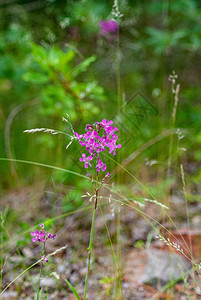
pixel 34 264
pixel 7 132
pixel 80 175
pixel 146 189
pixel 44 165
pixel 147 217
pixel 22 273
pixel 85 177
pixel 113 253
pixel 46 222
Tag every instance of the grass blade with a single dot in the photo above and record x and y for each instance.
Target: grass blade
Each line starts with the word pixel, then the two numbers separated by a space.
pixel 73 289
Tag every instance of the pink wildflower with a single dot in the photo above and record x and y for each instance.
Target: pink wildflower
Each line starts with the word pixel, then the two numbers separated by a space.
pixel 98 138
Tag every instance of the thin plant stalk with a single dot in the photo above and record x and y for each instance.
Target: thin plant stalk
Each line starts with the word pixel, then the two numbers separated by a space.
pixel 34 264
pixel 175 99
pixel 38 290
pixel 118 219
pixel 43 165
pixel 186 204
pixel 41 267
pixel 90 247
pixel 96 188
pixel 18 276
pixel 174 102
pixel 188 221
pixel 2 240
pixel 147 190
pixel 114 255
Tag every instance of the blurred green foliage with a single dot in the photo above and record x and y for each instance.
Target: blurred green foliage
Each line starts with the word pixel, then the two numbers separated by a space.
pixel 53 61
pixel 61 91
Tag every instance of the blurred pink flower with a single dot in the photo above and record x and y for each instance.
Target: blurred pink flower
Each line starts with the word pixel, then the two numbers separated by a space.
pixel 108 27
pixel 38 236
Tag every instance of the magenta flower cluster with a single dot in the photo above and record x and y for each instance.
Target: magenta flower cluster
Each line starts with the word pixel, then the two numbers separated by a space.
pixel 38 236
pixel 98 138
pixel 42 236
pixel 108 26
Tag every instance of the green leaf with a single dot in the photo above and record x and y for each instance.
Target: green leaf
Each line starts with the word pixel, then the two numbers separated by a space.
pixel 82 67
pixel 40 54
pixel 64 61
pixel 66 57
pixel 54 55
pixel 35 77
pixel 73 289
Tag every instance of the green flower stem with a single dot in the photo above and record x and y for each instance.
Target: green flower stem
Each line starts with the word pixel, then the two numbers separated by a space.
pixel 41 266
pixel 119 158
pixel 2 241
pixel 38 290
pixel 90 247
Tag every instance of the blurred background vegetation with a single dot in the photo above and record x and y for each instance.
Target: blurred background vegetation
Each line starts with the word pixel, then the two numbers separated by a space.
pixel 54 61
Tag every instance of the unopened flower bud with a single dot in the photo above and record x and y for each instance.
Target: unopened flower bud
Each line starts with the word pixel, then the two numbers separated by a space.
pixel 106 176
pixel 42 227
pixel 45 259
pixel 98 126
pixel 89 175
pixel 89 127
